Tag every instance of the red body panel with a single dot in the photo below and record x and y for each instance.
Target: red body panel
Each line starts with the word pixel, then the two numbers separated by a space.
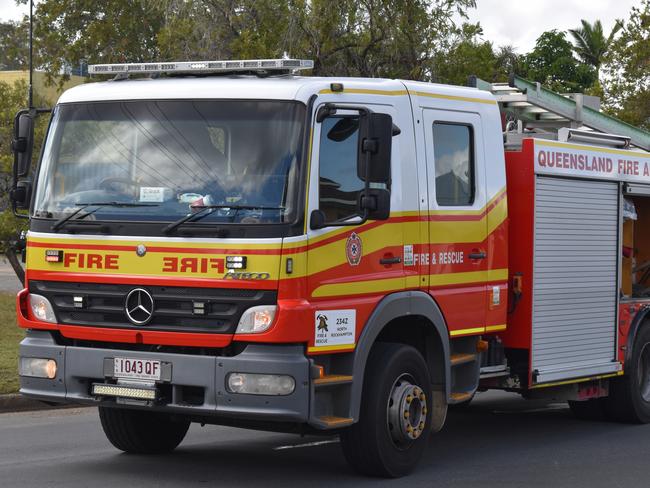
pixel 521 215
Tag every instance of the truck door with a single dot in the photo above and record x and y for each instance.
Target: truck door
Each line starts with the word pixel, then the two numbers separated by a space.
pixel 350 268
pixel 458 243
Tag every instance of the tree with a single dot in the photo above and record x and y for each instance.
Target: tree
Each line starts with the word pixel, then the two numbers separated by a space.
pixel 507 60
pixel 14 45
pixel 389 38
pixel 591 45
pixel 468 54
pixel 117 31
pixel 14 98
pixel 551 63
pixel 627 69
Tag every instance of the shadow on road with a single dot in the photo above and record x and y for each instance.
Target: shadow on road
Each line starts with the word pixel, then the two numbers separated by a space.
pixel 498 440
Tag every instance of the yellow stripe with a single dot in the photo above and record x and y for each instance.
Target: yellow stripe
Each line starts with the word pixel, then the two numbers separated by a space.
pixel 497 216
pixel 389 284
pixel 578 380
pixel 454 97
pixel 413 281
pixel 364 91
pixel 494 328
pixel 359 287
pixel 330 348
pixel 468 277
pixel 622 152
pixel 458 229
pixel 393 93
pixel 475 330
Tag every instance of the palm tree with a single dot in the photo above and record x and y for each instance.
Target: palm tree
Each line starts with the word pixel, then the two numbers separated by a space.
pixel 590 43
pixel 507 60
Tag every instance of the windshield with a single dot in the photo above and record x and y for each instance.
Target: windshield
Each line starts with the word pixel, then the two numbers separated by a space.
pixel 171 158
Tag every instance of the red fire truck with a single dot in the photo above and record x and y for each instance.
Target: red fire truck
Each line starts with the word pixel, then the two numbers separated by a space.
pixel 235 244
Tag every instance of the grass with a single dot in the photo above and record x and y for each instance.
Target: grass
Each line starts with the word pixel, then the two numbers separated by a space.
pixel 10 336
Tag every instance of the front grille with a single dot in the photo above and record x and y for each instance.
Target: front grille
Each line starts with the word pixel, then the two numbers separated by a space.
pixel 104 305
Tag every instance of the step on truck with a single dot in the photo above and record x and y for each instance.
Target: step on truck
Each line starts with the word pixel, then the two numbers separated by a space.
pixel 231 243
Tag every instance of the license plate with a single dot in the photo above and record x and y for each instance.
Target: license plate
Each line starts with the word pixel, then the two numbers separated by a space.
pixel 137 369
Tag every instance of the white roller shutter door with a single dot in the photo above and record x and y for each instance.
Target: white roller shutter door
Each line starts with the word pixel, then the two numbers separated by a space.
pixel 575 278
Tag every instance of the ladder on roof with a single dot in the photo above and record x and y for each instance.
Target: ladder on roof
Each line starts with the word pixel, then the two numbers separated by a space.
pixel 541 109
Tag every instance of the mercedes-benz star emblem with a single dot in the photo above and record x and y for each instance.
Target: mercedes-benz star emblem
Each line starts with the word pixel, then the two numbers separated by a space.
pixel 141 250
pixel 139 306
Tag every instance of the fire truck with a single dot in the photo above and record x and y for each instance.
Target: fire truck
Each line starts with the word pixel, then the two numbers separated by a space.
pixel 231 243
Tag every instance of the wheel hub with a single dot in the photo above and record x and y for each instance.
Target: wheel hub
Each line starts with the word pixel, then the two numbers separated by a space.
pixel 407 412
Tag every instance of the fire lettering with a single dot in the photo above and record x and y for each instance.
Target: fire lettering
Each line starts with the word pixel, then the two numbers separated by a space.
pixel 627 167
pixel 173 264
pixel 91 261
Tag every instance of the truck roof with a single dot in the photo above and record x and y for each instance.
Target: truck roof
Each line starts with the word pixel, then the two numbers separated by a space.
pixel 251 87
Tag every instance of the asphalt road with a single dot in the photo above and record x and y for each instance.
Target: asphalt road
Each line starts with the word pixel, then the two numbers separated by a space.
pixel 500 441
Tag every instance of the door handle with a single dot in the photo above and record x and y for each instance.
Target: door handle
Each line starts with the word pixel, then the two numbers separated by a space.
pixel 477 255
pixel 388 261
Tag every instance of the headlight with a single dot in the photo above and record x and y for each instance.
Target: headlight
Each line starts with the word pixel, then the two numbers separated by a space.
pixel 37 367
pixel 41 308
pixel 256 319
pixel 261 384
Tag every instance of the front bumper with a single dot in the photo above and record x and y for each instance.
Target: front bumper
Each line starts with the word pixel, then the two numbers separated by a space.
pixel 80 367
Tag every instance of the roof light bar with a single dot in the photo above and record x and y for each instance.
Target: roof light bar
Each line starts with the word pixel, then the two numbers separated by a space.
pixel 203 66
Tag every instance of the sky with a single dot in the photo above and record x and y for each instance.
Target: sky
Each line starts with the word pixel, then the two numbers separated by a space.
pixel 520 22
pixel 505 22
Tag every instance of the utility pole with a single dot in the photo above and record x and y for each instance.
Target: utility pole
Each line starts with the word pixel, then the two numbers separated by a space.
pixel 31 67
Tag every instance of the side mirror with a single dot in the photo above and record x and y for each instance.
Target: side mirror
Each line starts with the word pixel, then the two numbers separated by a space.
pixel 21 194
pixel 375 145
pixel 317 219
pixel 23 143
pixel 376 202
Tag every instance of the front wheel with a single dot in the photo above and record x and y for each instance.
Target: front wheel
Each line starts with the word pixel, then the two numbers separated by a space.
pixel 394 423
pixel 142 432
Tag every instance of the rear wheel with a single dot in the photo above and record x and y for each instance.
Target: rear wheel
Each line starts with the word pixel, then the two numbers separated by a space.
pixel 629 396
pixel 142 432
pixel 394 423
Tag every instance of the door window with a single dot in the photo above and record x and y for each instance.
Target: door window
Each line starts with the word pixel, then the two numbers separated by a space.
pixel 454 160
pixel 339 185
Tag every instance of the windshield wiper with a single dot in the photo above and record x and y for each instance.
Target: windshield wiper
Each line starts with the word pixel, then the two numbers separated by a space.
pixel 61 222
pixel 193 217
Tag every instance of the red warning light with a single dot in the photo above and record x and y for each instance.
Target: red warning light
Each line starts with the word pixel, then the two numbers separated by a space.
pixel 53 256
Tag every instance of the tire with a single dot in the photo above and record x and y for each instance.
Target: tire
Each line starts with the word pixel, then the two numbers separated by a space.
pixel 593 410
pixel 142 432
pixel 629 395
pixel 379 444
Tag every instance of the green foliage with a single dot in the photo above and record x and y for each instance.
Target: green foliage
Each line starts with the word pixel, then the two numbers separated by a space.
pixel 468 54
pixel 391 38
pixel 223 29
pixel 591 45
pixel 14 98
pixel 551 63
pixel 627 69
pixel 10 337
pixel 69 31
pixel 14 45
